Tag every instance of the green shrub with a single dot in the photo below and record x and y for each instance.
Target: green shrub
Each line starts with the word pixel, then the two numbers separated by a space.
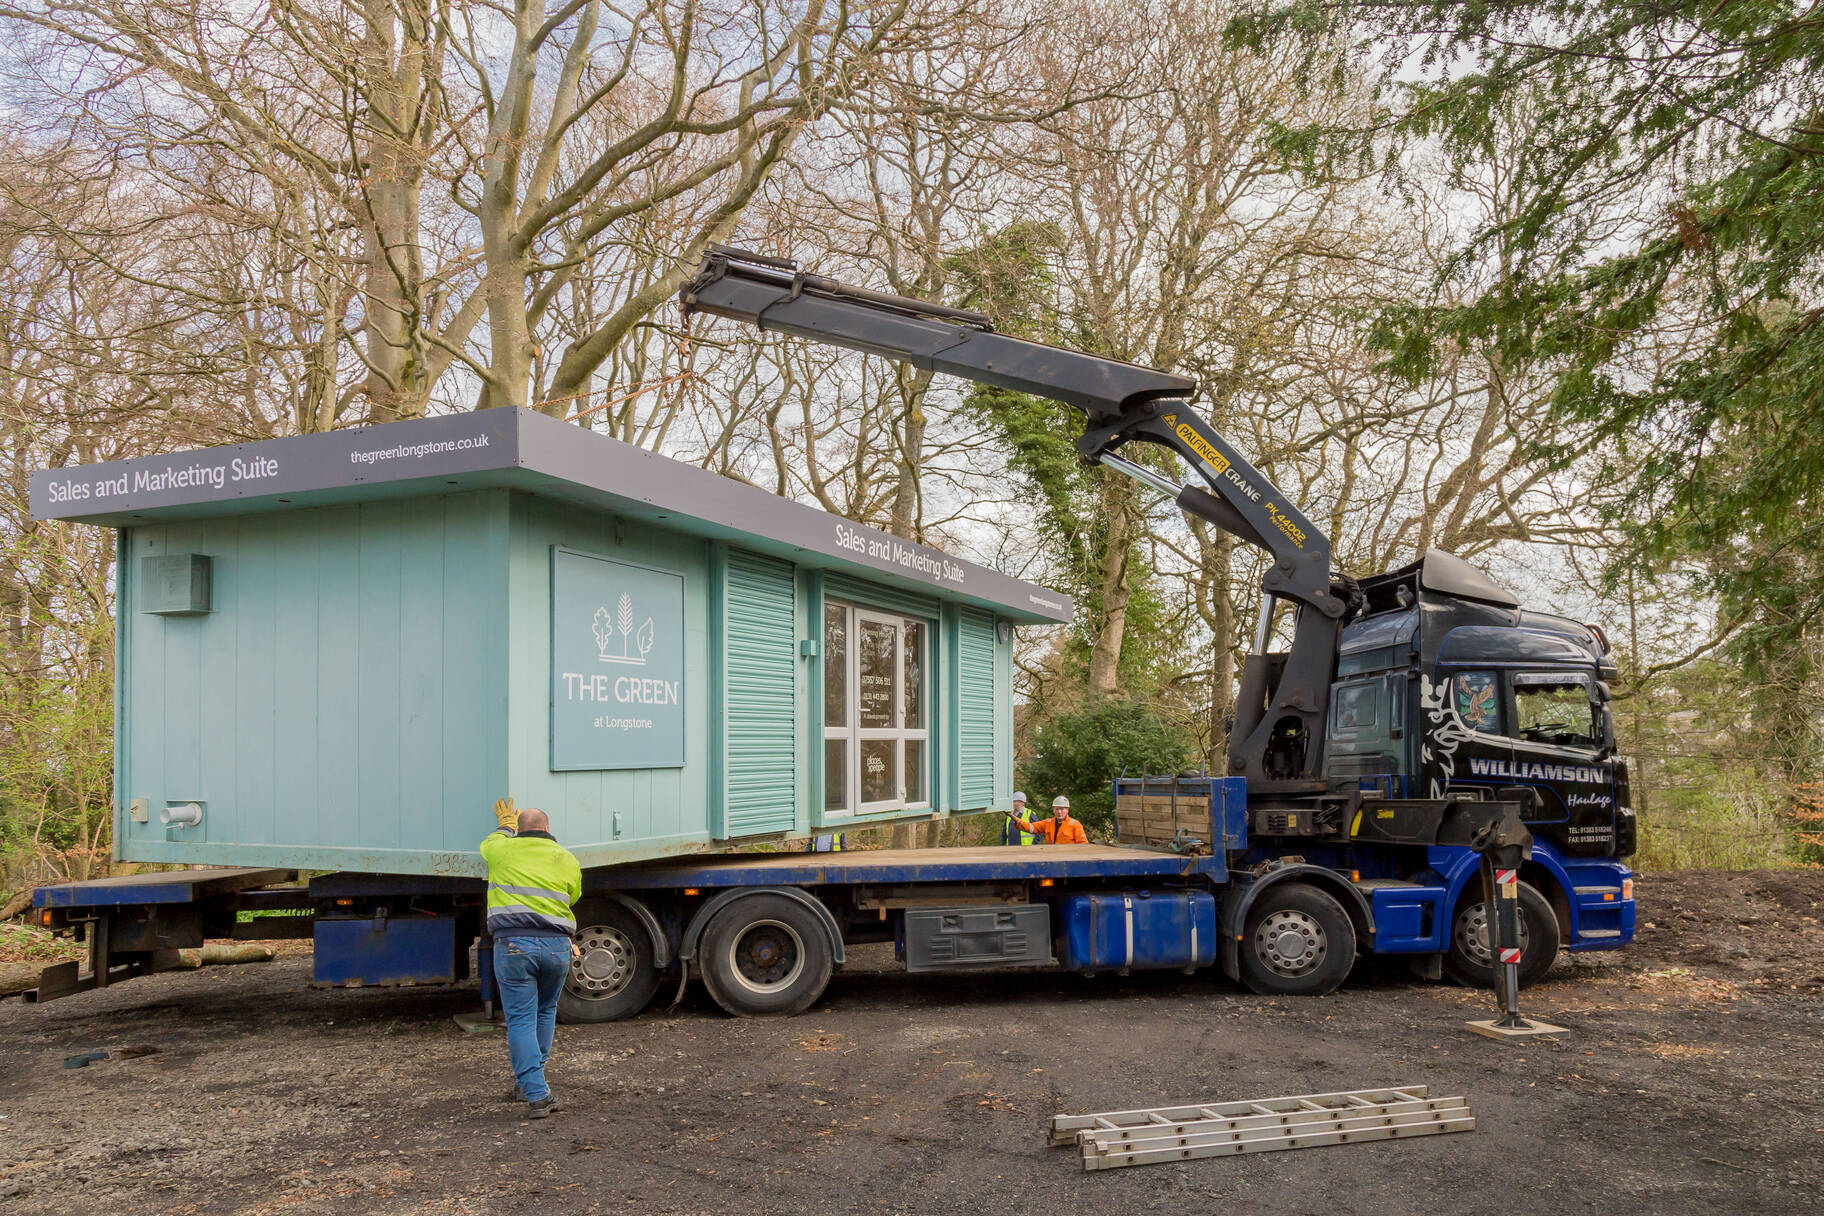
pixel 1081 751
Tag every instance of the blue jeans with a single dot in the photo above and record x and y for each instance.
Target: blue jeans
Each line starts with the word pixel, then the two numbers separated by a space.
pixel 531 973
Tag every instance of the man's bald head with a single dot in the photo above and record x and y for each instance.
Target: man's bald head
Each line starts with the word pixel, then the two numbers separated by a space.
pixel 533 820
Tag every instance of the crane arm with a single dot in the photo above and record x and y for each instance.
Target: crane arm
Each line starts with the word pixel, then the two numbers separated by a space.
pixel 1123 403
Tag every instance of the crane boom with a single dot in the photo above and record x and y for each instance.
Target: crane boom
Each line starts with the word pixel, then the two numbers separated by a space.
pixel 1278 732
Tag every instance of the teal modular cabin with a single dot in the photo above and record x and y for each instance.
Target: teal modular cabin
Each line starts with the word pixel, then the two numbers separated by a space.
pixel 335 651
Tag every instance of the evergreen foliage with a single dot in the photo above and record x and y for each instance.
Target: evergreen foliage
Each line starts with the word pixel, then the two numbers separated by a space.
pixel 1664 250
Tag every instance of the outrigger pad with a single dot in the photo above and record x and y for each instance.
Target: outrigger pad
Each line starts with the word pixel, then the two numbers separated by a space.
pixel 1533 1029
pixel 476 1022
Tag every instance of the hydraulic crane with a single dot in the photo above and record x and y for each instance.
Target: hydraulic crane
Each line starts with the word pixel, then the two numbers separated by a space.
pixel 1277 742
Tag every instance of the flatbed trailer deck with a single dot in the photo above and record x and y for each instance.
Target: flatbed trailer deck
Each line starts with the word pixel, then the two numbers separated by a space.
pixel 989 864
pixel 764 930
pixel 180 887
pixel 382 929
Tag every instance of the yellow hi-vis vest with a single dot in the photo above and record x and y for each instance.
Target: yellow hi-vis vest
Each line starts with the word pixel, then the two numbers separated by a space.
pixel 532 881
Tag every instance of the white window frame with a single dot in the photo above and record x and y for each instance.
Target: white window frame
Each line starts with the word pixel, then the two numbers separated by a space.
pixel 853 734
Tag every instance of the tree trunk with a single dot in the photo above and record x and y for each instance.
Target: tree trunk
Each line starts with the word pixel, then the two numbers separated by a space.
pixel 1212 589
pixel 1222 661
pixel 504 284
pixel 397 386
pixel 1105 655
pixel 1638 786
pixel 509 337
pixel 908 513
pixel 17 904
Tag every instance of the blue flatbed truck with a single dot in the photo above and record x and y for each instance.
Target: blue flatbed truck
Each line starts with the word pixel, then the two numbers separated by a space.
pixel 1419 728
pixel 764 931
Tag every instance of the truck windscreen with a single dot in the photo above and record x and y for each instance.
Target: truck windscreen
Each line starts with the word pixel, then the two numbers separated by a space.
pixel 1556 711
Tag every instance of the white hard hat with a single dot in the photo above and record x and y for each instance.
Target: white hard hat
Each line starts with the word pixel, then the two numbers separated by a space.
pixel 1018 796
pixel 1060 801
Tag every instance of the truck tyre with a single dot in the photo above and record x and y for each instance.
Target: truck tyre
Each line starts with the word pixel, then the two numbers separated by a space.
pixel 765 956
pixel 1297 941
pixel 615 977
pixel 1469 961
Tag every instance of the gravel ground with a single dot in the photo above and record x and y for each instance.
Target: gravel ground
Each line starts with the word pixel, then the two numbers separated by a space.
pixel 1693 1080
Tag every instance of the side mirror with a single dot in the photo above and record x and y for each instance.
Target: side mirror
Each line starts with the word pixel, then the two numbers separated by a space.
pixel 1604 694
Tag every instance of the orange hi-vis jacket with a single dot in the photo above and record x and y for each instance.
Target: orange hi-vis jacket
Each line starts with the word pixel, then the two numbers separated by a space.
pixel 1051 831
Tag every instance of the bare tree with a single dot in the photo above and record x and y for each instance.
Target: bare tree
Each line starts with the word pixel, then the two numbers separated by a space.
pixel 1183 233
pixel 484 159
pixel 99 362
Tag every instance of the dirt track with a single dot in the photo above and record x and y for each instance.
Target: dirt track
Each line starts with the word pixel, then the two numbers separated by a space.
pixel 1694 1081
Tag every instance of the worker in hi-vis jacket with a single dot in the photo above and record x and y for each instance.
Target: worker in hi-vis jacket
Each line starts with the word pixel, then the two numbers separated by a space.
pixel 1011 832
pixel 532 883
pixel 1059 829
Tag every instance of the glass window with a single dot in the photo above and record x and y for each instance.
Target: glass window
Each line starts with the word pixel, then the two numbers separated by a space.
pixel 915 770
pixel 1355 705
pixel 835 774
pixel 879 773
pixel 913 678
pixel 879 656
pixel 875 757
pixel 1477 697
pixel 835 665
pixel 1556 711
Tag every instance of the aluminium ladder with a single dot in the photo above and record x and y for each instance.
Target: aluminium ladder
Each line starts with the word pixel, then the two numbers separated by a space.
pixel 1220 1129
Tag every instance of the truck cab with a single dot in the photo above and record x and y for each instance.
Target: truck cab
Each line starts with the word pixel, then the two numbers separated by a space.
pixel 1446 686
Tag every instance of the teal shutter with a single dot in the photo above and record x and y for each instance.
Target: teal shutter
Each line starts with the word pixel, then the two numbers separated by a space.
pixel 840 586
pixel 760 668
pixel 974 709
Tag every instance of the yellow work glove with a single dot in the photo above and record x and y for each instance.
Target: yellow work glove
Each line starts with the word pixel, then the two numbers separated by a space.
pixel 505 815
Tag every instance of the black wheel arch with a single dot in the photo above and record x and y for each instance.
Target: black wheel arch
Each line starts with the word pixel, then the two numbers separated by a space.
pixel 655 933
pixel 1242 896
pixel 693 932
pixel 1546 883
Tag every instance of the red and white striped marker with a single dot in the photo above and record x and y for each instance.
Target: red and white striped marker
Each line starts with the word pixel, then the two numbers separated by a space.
pixel 1509 882
pixel 1510 954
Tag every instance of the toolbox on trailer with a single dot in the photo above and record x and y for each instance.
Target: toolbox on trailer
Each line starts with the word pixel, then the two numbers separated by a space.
pixel 952 939
pixel 352 951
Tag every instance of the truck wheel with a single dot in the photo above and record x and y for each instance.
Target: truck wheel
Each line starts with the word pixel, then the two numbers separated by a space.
pixel 614 978
pixel 765 956
pixel 1297 941
pixel 1469 960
